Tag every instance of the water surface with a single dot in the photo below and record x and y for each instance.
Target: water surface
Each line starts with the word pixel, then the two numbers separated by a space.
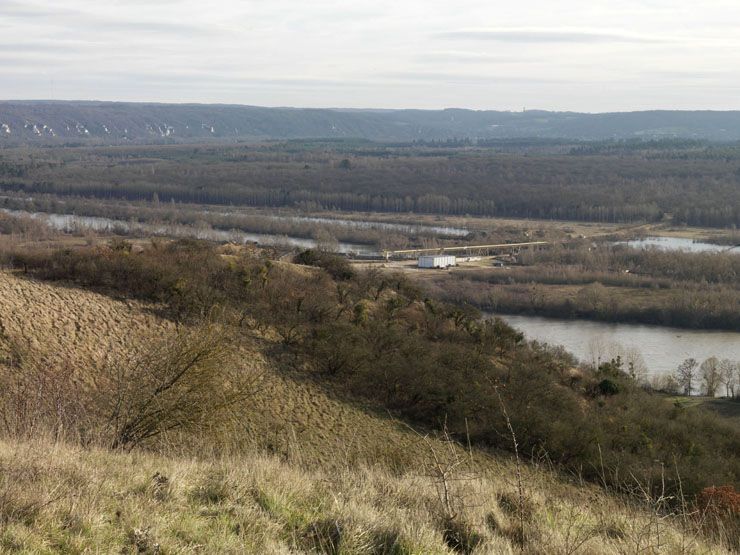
pixel 662 348
pixel 678 244
pixel 69 222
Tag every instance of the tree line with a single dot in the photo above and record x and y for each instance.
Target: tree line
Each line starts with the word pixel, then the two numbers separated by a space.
pixel 713 378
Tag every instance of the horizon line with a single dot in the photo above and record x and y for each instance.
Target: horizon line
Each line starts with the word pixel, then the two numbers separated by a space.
pixel 357 109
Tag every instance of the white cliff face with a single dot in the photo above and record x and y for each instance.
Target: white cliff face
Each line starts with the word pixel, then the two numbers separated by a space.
pixel 165 130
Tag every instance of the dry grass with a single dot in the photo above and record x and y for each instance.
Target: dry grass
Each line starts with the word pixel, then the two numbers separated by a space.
pixel 55 498
pixel 71 325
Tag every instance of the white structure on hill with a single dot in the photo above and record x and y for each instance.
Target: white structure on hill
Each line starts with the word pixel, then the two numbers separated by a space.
pixel 437 261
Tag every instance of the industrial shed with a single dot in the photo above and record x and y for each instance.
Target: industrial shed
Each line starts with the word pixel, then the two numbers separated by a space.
pixel 437 261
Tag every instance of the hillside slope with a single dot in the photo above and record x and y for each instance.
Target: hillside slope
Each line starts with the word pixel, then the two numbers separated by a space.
pixel 68 326
pixel 301 471
pixel 120 122
pixel 55 498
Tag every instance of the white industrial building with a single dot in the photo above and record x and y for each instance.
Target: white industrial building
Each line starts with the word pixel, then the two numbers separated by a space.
pixel 437 261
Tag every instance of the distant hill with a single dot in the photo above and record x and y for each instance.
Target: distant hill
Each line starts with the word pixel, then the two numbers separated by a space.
pixel 119 122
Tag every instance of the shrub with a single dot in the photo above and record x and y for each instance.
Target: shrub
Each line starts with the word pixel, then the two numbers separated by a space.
pixel 179 382
pixel 607 387
pixel 337 266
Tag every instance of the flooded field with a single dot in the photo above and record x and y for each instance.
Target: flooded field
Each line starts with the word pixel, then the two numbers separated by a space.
pixel 68 222
pixel 678 244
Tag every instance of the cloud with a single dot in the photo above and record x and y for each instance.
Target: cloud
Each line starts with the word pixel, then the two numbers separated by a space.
pixel 468 58
pixel 464 79
pixel 543 36
pixel 27 10
pixel 43 47
pixel 23 63
pixel 727 75
pixel 206 80
pixel 180 30
pixel 74 19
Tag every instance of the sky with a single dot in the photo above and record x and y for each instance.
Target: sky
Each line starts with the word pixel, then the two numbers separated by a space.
pixel 580 55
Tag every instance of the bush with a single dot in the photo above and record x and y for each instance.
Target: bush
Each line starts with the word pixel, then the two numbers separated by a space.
pixel 607 387
pixel 337 266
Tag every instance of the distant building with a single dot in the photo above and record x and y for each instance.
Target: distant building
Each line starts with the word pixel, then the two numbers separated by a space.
pixel 437 261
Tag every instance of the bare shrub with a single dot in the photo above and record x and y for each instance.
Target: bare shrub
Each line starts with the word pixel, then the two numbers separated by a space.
pixel 178 382
pixel 38 397
pixel 719 510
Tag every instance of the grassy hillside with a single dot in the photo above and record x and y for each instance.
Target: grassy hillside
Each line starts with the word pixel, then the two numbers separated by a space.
pixel 60 499
pixel 308 472
pixel 304 462
pixel 288 415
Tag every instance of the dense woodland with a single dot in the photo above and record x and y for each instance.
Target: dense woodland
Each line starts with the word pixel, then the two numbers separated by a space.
pixel 691 183
pixel 378 338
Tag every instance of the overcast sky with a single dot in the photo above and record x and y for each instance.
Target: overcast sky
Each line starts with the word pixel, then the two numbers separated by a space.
pixel 583 55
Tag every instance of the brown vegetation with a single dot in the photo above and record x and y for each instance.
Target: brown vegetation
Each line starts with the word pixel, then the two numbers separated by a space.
pixel 374 337
pixel 388 347
pixel 602 282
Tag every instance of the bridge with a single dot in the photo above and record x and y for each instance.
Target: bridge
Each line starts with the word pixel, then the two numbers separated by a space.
pixel 465 249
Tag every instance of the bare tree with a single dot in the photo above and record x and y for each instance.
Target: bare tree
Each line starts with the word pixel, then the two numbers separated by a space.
pixel 710 377
pixel 728 375
pixel 666 383
pixel 599 349
pixel 686 374
pixel 636 367
pixel 325 241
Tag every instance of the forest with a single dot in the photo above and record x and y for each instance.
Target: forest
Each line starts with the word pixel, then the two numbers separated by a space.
pixel 685 182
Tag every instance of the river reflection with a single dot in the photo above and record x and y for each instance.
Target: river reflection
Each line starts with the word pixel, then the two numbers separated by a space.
pixel 662 348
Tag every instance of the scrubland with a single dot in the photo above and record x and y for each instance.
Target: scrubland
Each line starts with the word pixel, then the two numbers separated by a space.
pixel 181 397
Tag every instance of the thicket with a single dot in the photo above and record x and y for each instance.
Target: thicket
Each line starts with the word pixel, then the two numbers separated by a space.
pixel 604 187
pixel 376 337
pixel 710 267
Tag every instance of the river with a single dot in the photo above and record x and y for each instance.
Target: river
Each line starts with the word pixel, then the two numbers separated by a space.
pixel 678 244
pixel 662 348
